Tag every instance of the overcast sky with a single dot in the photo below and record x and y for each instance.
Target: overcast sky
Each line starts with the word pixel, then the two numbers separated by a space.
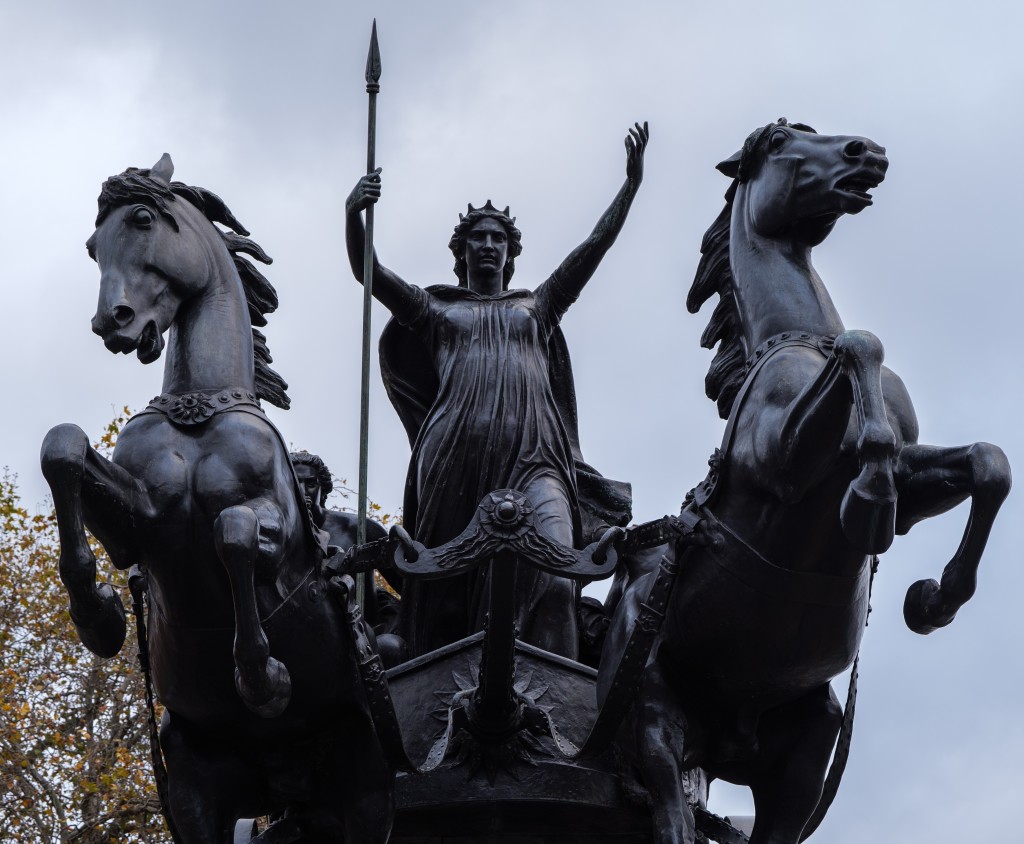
pixel 527 104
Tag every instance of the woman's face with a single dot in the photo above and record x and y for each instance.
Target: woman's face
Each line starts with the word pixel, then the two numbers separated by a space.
pixel 486 254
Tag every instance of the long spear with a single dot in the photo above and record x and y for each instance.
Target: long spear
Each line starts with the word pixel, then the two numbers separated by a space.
pixel 372 87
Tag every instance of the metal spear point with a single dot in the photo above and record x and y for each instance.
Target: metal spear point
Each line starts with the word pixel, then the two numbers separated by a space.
pixel 372 87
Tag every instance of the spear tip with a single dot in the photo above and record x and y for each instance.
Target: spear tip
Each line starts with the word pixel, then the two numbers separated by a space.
pixel 373 62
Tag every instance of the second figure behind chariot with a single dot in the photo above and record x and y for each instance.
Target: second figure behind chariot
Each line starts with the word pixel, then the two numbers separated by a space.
pixel 481 379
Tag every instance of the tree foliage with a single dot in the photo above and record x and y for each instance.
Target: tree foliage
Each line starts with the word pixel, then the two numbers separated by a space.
pixel 74 747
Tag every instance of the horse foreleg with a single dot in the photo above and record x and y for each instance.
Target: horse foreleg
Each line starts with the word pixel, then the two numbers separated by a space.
pixel 868 510
pixel 812 430
pixel 796 742
pixel 209 786
pixel 262 681
pixel 76 474
pixel 660 734
pixel 931 481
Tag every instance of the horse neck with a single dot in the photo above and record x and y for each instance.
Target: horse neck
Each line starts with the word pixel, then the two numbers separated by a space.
pixel 210 341
pixel 776 286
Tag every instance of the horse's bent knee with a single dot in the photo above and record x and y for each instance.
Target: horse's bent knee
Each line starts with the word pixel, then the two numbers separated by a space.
pixel 991 470
pixel 860 345
pixel 64 448
pixel 236 530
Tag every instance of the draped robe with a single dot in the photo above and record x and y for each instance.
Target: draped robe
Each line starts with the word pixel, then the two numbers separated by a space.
pixel 483 385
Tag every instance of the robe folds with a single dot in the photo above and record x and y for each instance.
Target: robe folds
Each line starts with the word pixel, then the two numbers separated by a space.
pixel 483 386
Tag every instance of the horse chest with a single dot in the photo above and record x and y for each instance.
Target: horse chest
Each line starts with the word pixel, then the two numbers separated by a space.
pixel 195 473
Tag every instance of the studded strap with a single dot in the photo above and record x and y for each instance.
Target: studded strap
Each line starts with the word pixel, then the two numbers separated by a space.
pixel 196 408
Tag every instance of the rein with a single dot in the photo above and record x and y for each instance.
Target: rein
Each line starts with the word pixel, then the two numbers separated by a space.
pixel 137 584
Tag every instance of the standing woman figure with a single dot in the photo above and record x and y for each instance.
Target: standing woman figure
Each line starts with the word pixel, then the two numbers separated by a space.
pixel 480 376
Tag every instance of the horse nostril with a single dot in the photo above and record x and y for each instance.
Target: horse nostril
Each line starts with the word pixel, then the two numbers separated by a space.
pixel 122 315
pixel 855 149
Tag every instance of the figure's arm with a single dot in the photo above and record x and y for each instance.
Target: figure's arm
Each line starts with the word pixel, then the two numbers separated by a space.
pixel 397 295
pixel 576 270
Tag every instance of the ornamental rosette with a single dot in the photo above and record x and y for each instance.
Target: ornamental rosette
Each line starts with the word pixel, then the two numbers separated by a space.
pixel 505 516
pixel 191 409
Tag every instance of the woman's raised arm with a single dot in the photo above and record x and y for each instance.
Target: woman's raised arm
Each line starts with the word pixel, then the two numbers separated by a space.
pixel 575 271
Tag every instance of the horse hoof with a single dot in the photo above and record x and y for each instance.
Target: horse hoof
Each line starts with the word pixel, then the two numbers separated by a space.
pixel 868 520
pixel 922 608
pixel 104 629
pixel 273 698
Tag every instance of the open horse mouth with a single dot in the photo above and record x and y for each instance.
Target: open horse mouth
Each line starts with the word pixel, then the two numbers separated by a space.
pixel 151 343
pixel 148 345
pixel 859 184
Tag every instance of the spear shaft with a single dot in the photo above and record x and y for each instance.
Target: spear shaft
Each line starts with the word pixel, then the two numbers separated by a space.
pixel 373 69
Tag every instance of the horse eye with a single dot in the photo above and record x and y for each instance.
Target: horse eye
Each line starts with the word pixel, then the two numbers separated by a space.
pixel 141 216
pixel 776 141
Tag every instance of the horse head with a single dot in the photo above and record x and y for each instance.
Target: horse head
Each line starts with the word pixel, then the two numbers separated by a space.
pixel 789 187
pixel 153 252
pixel 159 250
pixel 798 183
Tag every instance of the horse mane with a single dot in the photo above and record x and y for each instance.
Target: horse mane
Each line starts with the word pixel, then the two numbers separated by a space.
pixel 137 184
pixel 714 275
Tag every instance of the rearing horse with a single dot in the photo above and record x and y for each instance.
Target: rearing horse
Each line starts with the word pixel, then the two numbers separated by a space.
pixel 819 468
pixel 254 662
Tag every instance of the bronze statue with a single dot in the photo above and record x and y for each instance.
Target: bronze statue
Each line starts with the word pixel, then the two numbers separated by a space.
pixel 317 484
pixel 380 607
pixel 201 495
pixel 481 379
pixel 726 624
pixel 818 469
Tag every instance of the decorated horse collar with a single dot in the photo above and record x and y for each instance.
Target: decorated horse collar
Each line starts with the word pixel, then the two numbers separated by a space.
pixel 788 338
pixel 196 408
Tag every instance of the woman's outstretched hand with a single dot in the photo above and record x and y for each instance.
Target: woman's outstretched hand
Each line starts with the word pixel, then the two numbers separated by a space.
pixel 636 143
pixel 365 193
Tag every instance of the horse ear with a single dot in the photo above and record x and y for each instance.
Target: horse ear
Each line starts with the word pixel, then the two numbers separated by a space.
pixel 163 169
pixel 731 166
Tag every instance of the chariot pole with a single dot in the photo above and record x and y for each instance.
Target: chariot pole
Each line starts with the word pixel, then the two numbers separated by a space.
pixel 372 87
